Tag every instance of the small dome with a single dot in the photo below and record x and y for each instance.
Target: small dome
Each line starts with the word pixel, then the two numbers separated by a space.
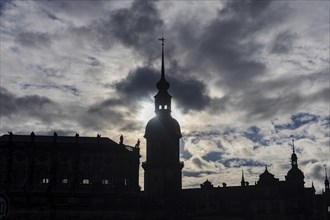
pixel 266 178
pixel 162 84
pixel 162 126
pixel 295 174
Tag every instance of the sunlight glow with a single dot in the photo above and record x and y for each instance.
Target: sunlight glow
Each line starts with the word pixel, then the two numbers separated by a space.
pixel 147 112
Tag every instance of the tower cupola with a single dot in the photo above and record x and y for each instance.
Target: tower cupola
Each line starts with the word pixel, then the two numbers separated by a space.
pixel 162 98
pixel 295 175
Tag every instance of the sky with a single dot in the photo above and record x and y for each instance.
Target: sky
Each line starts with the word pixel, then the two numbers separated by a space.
pixel 246 77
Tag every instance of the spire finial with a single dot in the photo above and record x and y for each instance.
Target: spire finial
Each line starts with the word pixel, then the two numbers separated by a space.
pixel 325 170
pixel 163 68
pixel 162 40
pixel 293 145
pixel 242 181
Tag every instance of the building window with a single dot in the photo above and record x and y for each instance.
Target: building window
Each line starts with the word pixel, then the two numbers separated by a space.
pixel 165 107
pixel 105 181
pixel 160 107
pixel 65 181
pixel 45 180
pixel 85 181
pixel 125 182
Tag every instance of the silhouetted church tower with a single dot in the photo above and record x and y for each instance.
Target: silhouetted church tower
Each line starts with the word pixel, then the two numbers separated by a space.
pixel 162 168
pixel 295 175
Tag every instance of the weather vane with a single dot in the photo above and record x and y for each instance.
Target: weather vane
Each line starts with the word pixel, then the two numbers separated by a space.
pixel 162 40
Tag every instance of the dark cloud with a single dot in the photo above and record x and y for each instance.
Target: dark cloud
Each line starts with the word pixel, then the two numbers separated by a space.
pixel 298 120
pixel 199 162
pixel 64 88
pixel 317 172
pixel 189 93
pixel 255 135
pixel 108 114
pixel 3 5
pixel 33 106
pixel 283 42
pixel 137 26
pixel 93 61
pixel 140 83
pixel 225 46
pixel 47 71
pixel 288 96
pixel 212 156
pixel 33 39
pixel 238 162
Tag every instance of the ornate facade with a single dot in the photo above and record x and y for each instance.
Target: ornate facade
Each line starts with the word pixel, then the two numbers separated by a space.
pixel 54 177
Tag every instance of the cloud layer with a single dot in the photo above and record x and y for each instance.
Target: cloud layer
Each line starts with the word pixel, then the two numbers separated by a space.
pixel 245 76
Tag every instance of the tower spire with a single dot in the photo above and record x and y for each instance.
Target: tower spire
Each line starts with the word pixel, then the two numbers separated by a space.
pixel 242 181
pixel 294 158
pixel 162 84
pixel 163 68
pixel 163 99
pixel 293 145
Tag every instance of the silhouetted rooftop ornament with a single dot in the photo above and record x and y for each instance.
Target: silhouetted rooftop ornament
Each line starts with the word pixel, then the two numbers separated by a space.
pixel 207 185
pixel 326 181
pixel 137 145
pixel 55 136
pixel 10 136
pixel 32 135
pixel 121 140
pixel 242 181
pixel 266 178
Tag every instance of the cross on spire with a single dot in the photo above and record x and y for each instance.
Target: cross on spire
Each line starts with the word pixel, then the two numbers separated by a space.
pixel 162 40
